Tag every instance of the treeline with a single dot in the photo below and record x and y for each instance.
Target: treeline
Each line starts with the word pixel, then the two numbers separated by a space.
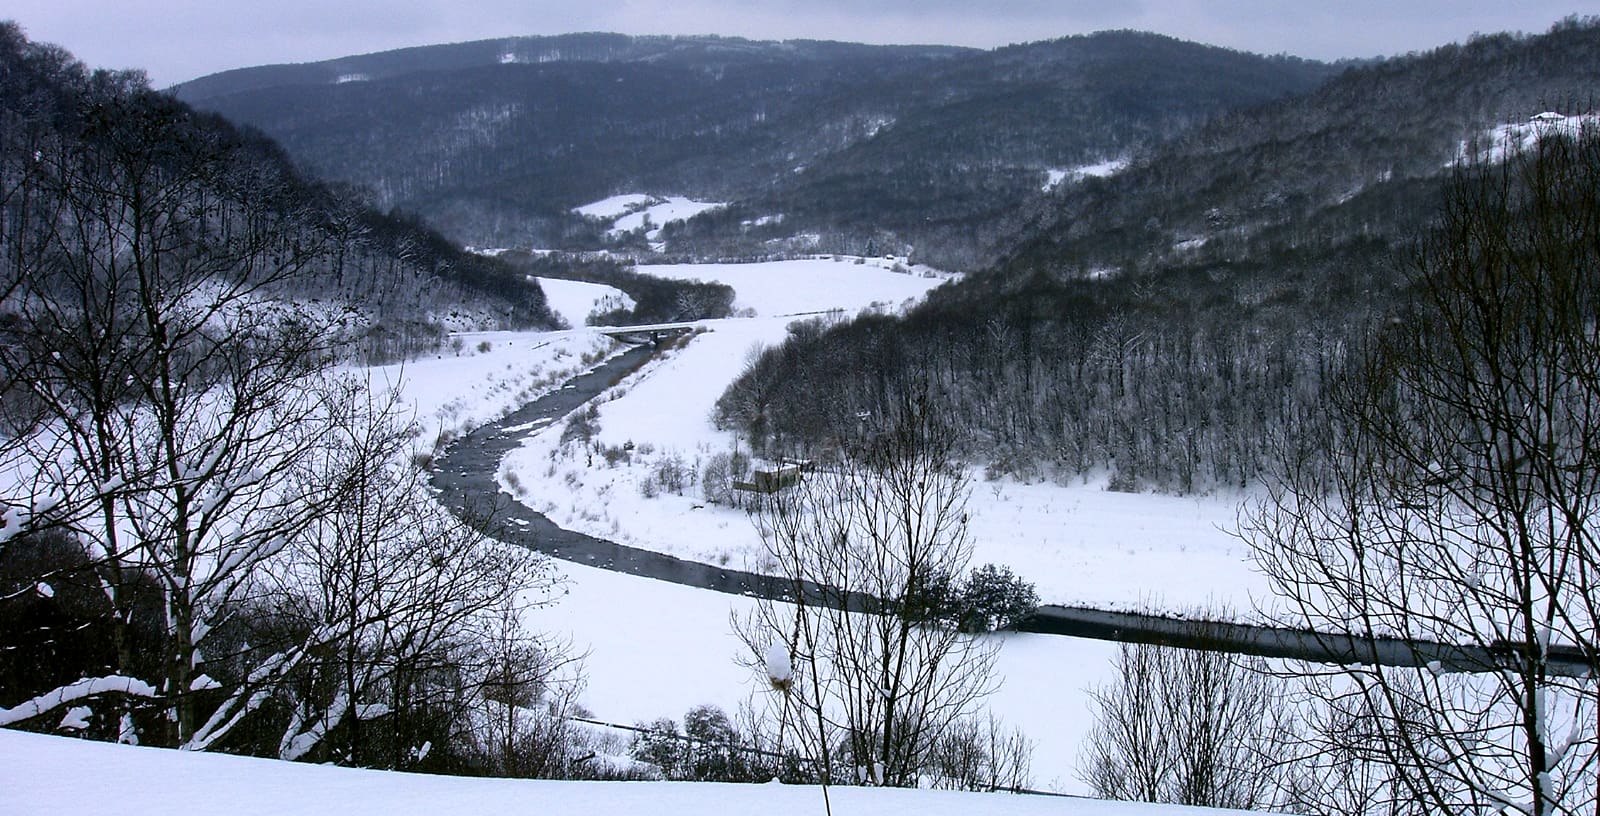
pixel 1052 382
pixel 1180 375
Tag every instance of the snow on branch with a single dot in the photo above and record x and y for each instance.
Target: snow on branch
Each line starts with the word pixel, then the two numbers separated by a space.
pixel 73 692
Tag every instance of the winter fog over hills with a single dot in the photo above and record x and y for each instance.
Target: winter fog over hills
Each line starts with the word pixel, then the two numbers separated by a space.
pixel 693 422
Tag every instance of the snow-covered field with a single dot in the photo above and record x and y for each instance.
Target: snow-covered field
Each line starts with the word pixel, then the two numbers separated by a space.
pixel 1077 542
pixel 1505 140
pixel 660 212
pixel 613 207
pixel 1055 177
pixel 656 649
pixel 574 300
pixel 812 285
pixel 626 213
pixel 66 777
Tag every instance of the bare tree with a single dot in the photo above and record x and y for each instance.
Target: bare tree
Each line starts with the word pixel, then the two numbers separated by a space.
pixel 1185 726
pixel 168 410
pixel 1333 762
pixel 1457 498
pixel 980 753
pixel 524 698
pixel 383 607
pixel 875 676
pixel 173 398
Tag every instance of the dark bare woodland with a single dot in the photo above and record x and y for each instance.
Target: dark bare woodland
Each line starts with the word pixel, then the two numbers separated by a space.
pixel 251 562
pixel 1454 498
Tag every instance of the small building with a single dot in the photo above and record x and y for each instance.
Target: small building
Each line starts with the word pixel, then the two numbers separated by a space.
pixel 786 474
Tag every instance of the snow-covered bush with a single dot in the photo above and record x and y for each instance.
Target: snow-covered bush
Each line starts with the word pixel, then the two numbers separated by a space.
pixel 981 754
pixel 514 483
pixel 522 692
pixel 671 475
pixel 710 747
pixel 1187 726
pixel 615 454
pixel 582 425
pixel 993 597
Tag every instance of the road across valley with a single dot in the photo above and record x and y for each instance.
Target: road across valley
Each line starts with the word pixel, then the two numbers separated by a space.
pixel 465 477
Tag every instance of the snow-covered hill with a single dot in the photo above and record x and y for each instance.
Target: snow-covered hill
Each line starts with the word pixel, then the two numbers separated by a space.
pixel 65 777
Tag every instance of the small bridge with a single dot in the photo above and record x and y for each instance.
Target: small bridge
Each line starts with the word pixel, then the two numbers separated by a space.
pixel 652 333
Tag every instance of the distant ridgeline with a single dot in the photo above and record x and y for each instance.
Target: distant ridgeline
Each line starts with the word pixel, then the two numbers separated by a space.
pixel 815 146
pixel 1175 248
pixel 1171 322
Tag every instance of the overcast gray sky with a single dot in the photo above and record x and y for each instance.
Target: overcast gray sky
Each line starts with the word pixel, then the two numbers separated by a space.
pixel 177 40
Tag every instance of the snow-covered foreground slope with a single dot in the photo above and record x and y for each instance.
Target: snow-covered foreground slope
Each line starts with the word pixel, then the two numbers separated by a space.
pixel 67 777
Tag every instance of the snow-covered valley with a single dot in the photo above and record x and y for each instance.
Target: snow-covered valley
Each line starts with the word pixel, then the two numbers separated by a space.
pixel 1078 542
pixel 656 649
pixel 653 649
pixel 319 492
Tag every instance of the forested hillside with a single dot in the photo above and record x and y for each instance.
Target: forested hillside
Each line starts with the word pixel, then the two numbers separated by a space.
pixel 1170 323
pixel 815 145
pixel 215 531
pixel 91 161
